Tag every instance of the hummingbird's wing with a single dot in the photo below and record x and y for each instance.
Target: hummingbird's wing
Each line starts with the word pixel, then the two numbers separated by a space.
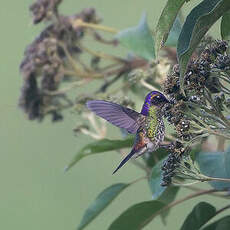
pixel 118 115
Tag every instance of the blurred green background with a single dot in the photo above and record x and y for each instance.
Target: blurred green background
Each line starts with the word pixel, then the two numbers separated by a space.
pixel 35 192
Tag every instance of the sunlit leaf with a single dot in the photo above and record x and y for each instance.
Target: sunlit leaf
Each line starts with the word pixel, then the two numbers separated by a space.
pixel 221 224
pixel 100 203
pixel 100 147
pixel 138 39
pixel 199 216
pixel 225 26
pixel 215 164
pixel 166 22
pixel 197 23
pixel 137 216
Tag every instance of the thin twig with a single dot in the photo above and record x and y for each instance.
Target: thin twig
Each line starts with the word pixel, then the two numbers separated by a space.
pixel 224 79
pixel 104 87
pixel 217 179
pixel 223 209
pixel 219 134
pixel 102 55
pixel 99 38
pixel 147 85
pixel 80 23
pixel 192 188
pixel 218 113
pixel 66 89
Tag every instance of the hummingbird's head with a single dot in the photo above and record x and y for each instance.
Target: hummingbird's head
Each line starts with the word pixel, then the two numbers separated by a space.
pixel 153 98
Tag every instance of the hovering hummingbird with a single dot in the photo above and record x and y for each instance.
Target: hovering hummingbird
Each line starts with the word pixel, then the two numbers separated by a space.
pixel 148 125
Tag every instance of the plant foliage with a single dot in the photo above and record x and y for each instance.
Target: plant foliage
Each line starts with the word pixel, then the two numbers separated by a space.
pixel 190 67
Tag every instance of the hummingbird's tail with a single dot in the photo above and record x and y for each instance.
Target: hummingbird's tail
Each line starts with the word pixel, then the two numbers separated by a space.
pixel 125 160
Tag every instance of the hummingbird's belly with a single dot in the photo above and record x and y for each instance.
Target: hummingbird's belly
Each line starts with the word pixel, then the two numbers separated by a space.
pixel 155 133
pixel 150 136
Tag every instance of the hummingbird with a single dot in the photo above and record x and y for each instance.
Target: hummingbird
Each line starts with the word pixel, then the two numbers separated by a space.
pixel 148 125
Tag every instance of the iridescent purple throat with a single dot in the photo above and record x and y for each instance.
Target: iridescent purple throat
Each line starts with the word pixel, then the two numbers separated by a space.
pixel 145 107
pixel 149 99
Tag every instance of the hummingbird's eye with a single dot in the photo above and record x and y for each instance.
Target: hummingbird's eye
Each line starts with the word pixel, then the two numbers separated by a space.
pixel 158 97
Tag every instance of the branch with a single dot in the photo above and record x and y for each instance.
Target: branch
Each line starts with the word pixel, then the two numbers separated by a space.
pixel 172 204
pixel 80 23
pixel 195 189
pixel 223 209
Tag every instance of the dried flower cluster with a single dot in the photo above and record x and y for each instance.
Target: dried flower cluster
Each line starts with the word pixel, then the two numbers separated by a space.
pixel 47 61
pixel 44 10
pixel 199 111
pixel 56 58
pixel 171 163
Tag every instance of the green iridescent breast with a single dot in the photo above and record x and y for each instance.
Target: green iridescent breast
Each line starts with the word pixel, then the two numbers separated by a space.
pixel 152 123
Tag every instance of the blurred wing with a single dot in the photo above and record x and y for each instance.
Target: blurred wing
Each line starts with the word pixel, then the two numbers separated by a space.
pixel 116 114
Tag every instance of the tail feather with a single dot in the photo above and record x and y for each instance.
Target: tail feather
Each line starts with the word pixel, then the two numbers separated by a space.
pixel 125 160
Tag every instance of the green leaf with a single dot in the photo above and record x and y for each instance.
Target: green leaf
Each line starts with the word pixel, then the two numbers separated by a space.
pixel 195 151
pixel 221 224
pixel 138 39
pixel 215 164
pixel 100 147
pixel 174 33
pixel 197 23
pixel 100 203
pixel 167 197
pixel 164 194
pixel 166 22
pixel 227 162
pixel 155 181
pixel 161 193
pixel 225 26
pixel 199 216
pixel 137 216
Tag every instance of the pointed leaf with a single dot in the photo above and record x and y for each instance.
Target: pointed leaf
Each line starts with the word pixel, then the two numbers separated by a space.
pixel 155 181
pixel 215 164
pixel 221 224
pixel 137 216
pixel 167 197
pixel 138 39
pixel 225 26
pixel 160 193
pixel 197 23
pixel 199 216
pixel 100 147
pixel 101 202
pixel 166 22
